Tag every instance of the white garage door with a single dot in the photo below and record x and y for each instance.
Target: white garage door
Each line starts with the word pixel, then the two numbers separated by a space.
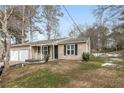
pixel 14 55
pixel 23 55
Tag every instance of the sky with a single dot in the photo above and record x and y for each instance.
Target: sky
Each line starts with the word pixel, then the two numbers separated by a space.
pixel 82 14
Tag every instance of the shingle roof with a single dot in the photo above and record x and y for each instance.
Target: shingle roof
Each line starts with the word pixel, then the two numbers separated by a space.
pixel 55 41
pixel 73 40
pixel 60 41
pixel 47 41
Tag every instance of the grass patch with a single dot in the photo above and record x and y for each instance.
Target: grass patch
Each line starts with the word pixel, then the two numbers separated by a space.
pixel 90 65
pixel 41 78
pixel 93 64
pixel 100 59
pixel 119 63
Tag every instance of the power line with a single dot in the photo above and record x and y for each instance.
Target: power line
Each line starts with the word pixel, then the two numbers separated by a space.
pixel 71 18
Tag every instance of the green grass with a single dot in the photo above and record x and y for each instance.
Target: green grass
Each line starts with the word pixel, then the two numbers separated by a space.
pixel 42 78
pixel 90 65
pixel 93 64
pixel 119 63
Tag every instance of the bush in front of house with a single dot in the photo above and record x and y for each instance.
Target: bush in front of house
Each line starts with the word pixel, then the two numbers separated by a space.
pixel 85 56
pixel 46 58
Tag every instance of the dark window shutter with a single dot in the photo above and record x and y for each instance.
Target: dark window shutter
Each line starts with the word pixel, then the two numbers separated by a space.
pixel 64 49
pixel 42 49
pixel 48 49
pixel 76 49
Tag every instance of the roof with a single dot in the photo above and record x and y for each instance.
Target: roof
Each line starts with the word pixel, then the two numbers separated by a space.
pixel 73 40
pixel 51 41
pixel 20 45
pixel 54 41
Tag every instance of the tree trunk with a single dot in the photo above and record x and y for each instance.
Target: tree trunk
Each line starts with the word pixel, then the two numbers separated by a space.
pixel 7 44
pixel 23 24
pixel 7 52
pixel 31 30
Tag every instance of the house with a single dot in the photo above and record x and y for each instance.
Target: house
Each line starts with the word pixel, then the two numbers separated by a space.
pixel 64 48
pixel 111 42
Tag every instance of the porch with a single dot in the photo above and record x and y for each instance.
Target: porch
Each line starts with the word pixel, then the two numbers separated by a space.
pixel 37 52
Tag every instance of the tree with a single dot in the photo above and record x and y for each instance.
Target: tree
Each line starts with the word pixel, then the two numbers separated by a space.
pixel 98 36
pixel 23 21
pixel 5 13
pixel 110 12
pixel 28 17
pixel 50 16
pixel 113 15
pixel 74 32
pixel 118 35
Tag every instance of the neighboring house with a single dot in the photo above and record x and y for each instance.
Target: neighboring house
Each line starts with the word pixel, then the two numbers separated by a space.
pixel 110 41
pixel 64 48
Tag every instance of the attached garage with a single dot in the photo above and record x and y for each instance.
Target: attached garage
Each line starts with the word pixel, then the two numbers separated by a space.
pixel 23 55
pixel 19 54
pixel 14 55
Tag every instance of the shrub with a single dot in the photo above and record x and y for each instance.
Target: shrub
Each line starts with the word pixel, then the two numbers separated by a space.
pixel 46 58
pixel 85 56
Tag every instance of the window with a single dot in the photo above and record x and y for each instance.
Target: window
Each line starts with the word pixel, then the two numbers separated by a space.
pixel 70 49
pixel 45 50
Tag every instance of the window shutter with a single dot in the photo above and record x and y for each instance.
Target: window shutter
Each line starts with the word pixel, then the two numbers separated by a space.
pixel 64 49
pixel 42 50
pixel 76 49
pixel 48 49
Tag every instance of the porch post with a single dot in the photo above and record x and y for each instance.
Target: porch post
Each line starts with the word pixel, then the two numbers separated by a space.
pixel 53 51
pixel 30 53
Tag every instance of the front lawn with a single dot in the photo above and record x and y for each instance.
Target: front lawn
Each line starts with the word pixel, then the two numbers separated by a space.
pixel 41 78
pixel 66 73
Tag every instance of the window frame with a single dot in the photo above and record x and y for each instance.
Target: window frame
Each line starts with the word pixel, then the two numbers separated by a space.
pixel 43 50
pixel 70 49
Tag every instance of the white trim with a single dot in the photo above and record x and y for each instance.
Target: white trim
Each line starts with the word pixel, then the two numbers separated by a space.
pixel 70 49
pixel 44 50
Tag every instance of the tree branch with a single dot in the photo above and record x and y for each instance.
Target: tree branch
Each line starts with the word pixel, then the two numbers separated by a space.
pixel 10 13
pixel 1 21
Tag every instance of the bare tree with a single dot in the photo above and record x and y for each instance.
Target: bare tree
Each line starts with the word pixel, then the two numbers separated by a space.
pixel 6 12
pixel 50 15
pixel 75 32
pixel 98 36
pixel 114 16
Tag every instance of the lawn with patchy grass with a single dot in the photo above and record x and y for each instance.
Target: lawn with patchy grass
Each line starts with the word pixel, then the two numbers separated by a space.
pixel 41 78
pixel 66 73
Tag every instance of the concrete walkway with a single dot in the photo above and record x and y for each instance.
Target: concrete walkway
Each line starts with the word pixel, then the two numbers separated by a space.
pixel 20 63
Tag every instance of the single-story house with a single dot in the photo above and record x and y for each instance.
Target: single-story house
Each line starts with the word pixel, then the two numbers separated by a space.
pixel 64 48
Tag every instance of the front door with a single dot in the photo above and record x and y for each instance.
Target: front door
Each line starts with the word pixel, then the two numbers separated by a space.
pixel 56 52
pixel 38 52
